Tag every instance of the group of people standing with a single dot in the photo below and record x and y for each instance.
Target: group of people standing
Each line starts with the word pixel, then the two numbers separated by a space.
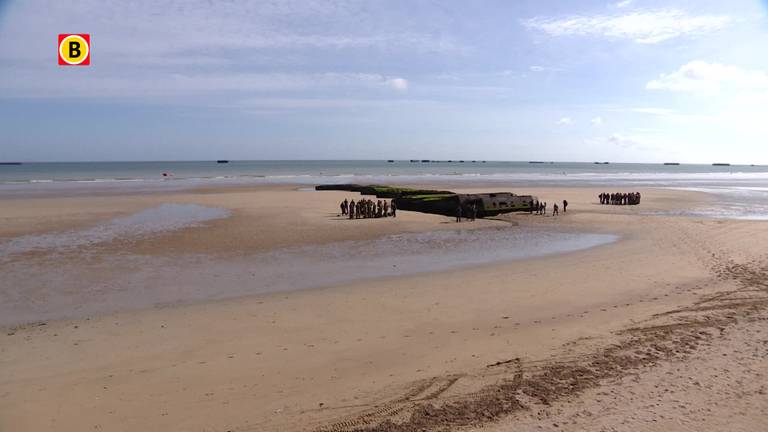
pixel 366 208
pixel 540 208
pixel 618 198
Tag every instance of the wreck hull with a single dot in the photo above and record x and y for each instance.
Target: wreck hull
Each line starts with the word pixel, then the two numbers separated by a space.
pixel 442 202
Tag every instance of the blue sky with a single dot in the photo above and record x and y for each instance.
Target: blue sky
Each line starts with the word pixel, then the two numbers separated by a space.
pixel 631 80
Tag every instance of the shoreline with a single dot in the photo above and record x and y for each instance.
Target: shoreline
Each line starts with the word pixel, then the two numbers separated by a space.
pixel 325 274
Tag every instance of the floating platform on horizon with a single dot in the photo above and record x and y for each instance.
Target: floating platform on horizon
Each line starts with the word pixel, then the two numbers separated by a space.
pixel 10 163
pixel 222 161
pixel 671 163
pixel 721 164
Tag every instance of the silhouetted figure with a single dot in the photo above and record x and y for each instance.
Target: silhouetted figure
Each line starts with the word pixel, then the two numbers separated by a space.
pixel 565 206
pixel 555 211
pixel 393 206
pixel 458 213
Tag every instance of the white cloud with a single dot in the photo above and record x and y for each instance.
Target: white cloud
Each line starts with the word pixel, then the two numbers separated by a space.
pixel 679 118
pixel 622 146
pixel 654 111
pixel 624 141
pixel 622 4
pixel 201 30
pixel 299 104
pixel 747 113
pixel 537 68
pixel 400 84
pixel 158 85
pixel 641 26
pixel 597 121
pixel 565 121
pixel 697 76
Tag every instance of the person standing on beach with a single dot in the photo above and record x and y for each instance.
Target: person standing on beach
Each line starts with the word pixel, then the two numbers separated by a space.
pixel 565 206
pixel 458 213
pixel 555 211
pixel 544 209
pixel 351 210
pixel 473 212
pixel 393 206
pixel 386 208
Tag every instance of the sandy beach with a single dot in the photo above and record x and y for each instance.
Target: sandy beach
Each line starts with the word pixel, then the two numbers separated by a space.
pixel 346 216
pixel 597 339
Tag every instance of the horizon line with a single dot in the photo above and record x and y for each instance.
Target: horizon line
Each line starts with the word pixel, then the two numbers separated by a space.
pixel 416 160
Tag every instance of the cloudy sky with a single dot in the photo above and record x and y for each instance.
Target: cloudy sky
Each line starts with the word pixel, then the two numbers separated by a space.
pixel 630 80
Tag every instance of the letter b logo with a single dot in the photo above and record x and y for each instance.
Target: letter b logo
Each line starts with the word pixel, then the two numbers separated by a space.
pixel 74 49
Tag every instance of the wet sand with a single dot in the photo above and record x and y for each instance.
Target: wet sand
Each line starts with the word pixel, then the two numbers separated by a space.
pixel 388 353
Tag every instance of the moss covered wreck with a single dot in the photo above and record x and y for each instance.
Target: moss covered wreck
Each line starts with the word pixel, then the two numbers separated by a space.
pixel 443 202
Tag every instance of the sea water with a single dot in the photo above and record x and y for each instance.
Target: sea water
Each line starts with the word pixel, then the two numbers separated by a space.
pixel 72 283
pixel 144 224
pixel 79 175
pixel 740 190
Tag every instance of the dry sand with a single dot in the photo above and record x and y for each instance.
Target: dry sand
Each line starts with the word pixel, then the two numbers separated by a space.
pixel 526 344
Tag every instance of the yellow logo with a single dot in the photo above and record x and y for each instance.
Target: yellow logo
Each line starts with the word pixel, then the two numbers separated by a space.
pixel 74 50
